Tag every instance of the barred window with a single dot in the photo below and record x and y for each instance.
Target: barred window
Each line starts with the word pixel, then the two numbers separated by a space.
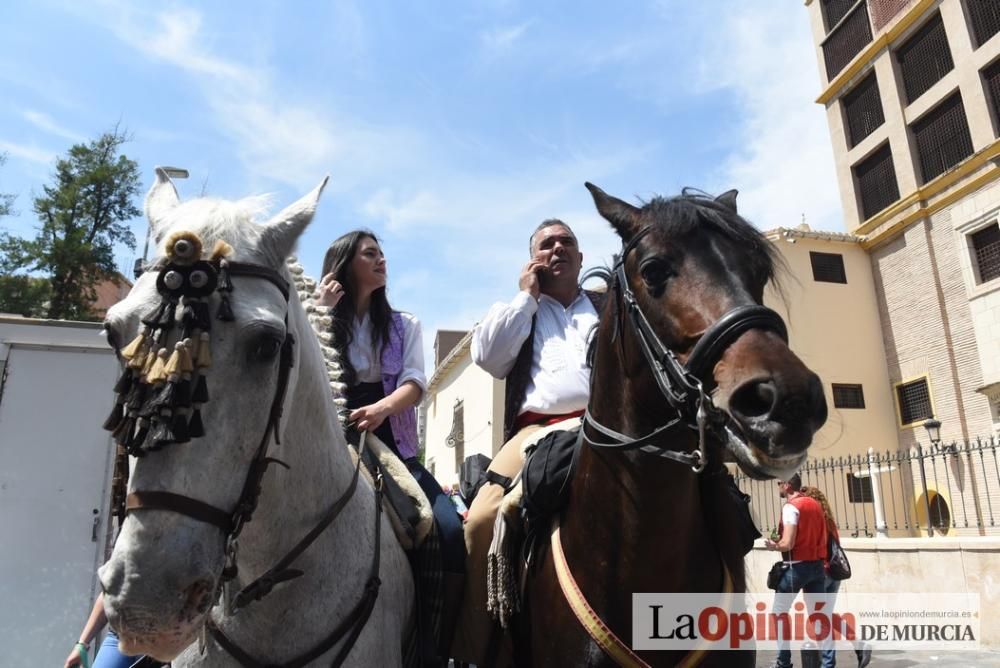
pixel 863 109
pixel 859 490
pixel 883 11
pixel 985 18
pixel 848 396
pixel 828 267
pixel 852 35
pixel 834 10
pixel 876 178
pixel 942 137
pixel 986 249
pixel 991 75
pixel 914 402
pixel 925 58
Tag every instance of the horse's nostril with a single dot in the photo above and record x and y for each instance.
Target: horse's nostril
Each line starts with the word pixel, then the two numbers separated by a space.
pixel 754 399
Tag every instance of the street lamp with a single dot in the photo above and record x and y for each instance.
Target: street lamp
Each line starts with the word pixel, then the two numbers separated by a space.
pixel 933 428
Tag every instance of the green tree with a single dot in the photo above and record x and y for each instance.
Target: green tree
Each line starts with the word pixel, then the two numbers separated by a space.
pixel 83 214
pixel 6 199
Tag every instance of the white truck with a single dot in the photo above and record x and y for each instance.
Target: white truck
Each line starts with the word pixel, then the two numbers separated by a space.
pixel 56 461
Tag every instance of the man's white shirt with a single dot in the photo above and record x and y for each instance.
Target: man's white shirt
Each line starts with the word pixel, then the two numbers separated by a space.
pixel 560 378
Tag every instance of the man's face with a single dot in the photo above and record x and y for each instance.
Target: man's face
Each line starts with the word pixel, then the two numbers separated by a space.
pixel 784 489
pixel 556 247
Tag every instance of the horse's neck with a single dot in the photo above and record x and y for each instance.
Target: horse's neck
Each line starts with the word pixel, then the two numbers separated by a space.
pixel 654 528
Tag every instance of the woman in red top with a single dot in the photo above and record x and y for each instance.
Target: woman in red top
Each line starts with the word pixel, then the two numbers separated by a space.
pixel 832 586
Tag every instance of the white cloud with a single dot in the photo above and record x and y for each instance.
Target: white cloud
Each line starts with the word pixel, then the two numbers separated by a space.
pixel 500 39
pixel 279 135
pixel 45 122
pixel 30 153
pixel 783 164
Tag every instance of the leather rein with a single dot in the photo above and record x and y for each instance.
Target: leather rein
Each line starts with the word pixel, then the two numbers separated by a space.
pixel 231 523
pixel 685 386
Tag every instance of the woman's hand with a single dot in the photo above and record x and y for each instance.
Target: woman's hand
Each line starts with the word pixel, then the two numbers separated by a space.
pixel 329 291
pixel 369 418
pixel 74 658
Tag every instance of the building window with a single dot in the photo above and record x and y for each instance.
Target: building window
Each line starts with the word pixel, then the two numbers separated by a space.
pixel 863 109
pixel 986 251
pixel 859 490
pixel 884 11
pixel 876 178
pixel 848 396
pixel 925 58
pixel 834 10
pixel 991 77
pixel 942 138
pixel 985 18
pixel 828 267
pixel 850 36
pixel 914 402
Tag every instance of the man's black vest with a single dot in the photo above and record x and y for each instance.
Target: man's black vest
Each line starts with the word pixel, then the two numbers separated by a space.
pixel 520 375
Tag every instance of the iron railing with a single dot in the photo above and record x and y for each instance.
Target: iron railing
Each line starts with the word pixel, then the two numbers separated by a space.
pixel 948 489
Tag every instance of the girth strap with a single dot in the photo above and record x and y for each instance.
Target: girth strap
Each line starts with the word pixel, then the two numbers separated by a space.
pixel 183 505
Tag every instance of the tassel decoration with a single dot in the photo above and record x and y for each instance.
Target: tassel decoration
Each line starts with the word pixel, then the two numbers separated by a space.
pixel 124 383
pixel 182 394
pixel 117 414
pixel 204 350
pixel 200 394
pixel 202 316
pixel 152 321
pixel 180 428
pixel 195 427
pixel 169 317
pixel 225 312
pixel 134 346
pixel 162 435
pixel 158 371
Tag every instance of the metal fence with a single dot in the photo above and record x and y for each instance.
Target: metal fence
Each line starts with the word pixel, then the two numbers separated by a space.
pixel 949 489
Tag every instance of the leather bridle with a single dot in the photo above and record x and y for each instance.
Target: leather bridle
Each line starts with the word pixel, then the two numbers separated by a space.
pixel 686 387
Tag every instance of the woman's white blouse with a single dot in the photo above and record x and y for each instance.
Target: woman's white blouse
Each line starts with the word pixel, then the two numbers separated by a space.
pixel 368 362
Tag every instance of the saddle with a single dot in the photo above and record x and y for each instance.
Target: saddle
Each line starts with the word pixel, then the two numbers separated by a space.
pixel 405 504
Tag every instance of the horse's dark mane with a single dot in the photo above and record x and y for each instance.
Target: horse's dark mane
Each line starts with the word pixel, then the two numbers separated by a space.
pixel 684 213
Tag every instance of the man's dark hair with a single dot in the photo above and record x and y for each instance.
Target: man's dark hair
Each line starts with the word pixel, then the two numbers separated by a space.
pixel 795 482
pixel 548 222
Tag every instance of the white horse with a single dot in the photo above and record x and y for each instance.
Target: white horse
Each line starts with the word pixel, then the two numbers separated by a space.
pixel 161 580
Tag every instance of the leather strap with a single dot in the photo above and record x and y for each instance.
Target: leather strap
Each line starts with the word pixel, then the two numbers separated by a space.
pixel 351 626
pixel 178 503
pixel 600 632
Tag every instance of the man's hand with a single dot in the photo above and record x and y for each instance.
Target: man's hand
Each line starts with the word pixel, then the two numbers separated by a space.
pixel 369 418
pixel 530 276
pixel 329 291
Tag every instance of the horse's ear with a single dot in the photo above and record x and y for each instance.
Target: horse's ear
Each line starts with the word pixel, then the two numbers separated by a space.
pixel 283 230
pixel 162 197
pixel 728 199
pixel 622 215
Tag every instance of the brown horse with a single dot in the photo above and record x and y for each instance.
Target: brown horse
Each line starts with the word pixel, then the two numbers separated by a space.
pixel 687 365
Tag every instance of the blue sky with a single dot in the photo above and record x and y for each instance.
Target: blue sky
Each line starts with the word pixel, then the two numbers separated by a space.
pixel 449 128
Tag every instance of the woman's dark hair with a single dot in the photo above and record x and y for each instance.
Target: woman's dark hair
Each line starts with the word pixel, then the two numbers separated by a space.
pixel 338 262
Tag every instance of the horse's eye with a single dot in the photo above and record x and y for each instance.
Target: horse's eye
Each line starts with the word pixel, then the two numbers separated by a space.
pixel 265 348
pixel 655 272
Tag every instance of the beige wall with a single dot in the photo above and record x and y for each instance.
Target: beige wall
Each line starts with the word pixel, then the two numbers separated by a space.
pixel 928 326
pixel 835 329
pixel 482 397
